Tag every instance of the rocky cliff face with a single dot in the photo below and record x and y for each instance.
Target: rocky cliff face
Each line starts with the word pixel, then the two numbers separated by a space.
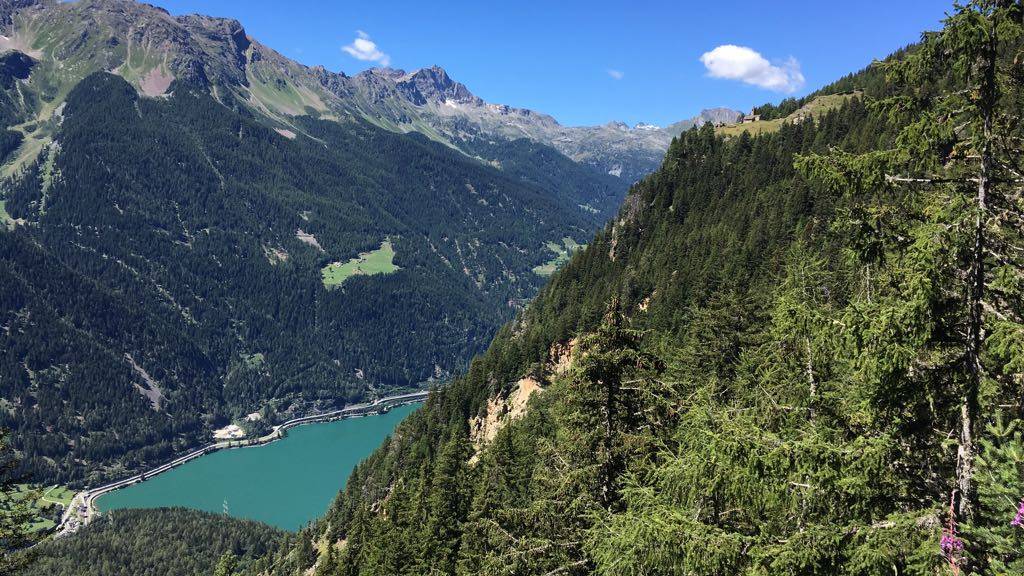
pixel 434 85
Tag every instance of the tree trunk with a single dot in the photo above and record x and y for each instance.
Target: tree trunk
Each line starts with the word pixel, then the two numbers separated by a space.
pixel 608 467
pixel 969 408
pixel 811 382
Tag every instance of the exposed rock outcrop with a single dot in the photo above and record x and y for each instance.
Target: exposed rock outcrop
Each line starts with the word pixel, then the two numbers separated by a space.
pixel 507 407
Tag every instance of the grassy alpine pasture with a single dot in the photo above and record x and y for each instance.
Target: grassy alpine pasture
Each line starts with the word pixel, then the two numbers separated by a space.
pixel 379 261
pixel 562 253
pixel 57 495
pixel 254 361
pixel 816 108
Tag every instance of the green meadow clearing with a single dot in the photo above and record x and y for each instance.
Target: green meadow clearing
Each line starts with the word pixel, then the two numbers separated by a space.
pixel 43 501
pixel 379 261
pixel 254 361
pixel 562 254
pixel 816 108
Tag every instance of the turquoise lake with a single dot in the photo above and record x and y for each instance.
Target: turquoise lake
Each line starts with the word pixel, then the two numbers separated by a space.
pixel 287 483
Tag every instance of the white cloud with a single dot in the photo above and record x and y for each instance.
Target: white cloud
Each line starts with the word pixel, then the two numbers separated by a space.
pixel 747 65
pixel 362 48
pixel 616 74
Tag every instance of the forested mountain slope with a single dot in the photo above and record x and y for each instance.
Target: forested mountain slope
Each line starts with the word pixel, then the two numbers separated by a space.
pixel 169 542
pixel 166 270
pixel 764 365
pixel 176 199
pixel 692 259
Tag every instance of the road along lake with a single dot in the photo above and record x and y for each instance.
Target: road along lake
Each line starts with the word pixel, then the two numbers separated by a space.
pixel 286 483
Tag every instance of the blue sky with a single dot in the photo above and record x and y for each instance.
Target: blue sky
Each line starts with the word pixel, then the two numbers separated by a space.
pixel 590 62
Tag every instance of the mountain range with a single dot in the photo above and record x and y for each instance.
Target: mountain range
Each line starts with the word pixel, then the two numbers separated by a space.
pixel 180 204
pixel 151 49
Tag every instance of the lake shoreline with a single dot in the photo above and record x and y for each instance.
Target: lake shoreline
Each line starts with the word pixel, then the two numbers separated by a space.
pixel 83 509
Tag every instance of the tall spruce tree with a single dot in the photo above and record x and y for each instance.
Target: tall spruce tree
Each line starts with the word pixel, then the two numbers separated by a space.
pixel 937 218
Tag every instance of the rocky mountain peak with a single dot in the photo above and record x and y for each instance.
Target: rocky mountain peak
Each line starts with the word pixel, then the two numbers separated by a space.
pixel 723 115
pixel 225 39
pixel 9 7
pixel 216 54
pixel 712 115
pixel 433 84
pixel 646 126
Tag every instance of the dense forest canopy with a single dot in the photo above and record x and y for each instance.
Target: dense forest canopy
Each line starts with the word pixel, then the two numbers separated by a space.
pixel 792 353
pixel 168 541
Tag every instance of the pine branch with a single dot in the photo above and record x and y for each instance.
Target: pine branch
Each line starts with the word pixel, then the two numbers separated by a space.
pixel 927 180
pixel 991 310
pixel 566 568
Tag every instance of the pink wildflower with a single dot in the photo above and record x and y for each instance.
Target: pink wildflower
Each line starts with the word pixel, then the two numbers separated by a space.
pixel 1018 520
pixel 951 544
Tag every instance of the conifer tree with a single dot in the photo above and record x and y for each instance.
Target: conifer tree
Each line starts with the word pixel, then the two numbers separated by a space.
pixel 940 216
pixel 15 515
pixel 999 529
pixel 803 339
pixel 227 565
pixel 446 505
